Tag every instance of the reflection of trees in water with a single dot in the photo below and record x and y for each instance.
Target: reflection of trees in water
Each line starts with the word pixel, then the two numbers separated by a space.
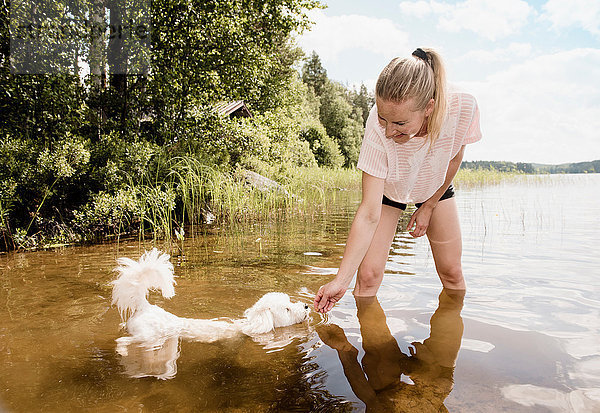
pixel 244 375
pixel 282 381
pixel 387 379
pixel 304 391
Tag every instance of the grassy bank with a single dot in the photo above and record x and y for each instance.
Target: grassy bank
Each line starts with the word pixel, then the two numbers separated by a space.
pixel 186 193
pixel 191 195
pixel 206 194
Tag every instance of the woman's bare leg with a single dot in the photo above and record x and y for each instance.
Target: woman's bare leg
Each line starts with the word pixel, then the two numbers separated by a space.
pixel 446 244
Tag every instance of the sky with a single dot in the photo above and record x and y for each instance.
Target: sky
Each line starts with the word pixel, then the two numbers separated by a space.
pixel 533 66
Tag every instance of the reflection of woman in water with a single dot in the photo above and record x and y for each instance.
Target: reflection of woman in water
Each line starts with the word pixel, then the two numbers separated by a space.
pixel 378 380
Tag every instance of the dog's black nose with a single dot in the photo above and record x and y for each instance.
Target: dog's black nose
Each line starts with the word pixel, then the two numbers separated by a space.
pixel 306 306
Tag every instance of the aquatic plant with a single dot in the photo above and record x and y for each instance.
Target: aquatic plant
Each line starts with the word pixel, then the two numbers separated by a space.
pixel 468 178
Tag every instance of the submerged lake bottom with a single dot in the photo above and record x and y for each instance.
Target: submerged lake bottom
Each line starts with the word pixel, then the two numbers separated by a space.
pixel 524 338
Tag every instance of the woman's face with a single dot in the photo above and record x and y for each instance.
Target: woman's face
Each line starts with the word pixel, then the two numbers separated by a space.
pixel 400 119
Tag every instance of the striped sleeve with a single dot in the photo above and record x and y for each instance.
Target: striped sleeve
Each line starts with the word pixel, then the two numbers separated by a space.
pixel 373 158
pixel 468 129
pixel 474 132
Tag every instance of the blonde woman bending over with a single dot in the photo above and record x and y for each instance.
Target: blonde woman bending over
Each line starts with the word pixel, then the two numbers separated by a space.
pixel 414 143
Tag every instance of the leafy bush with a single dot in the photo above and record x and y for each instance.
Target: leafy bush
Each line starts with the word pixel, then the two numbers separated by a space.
pixel 64 158
pixel 273 138
pixel 326 151
pixel 109 213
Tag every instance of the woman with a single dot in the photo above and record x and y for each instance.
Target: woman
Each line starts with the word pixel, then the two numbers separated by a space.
pixel 414 143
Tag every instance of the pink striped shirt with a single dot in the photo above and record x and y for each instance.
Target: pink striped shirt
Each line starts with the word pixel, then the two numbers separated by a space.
pixel 411 171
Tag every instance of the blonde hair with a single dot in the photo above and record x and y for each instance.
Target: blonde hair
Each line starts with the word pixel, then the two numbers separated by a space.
pixel 421 77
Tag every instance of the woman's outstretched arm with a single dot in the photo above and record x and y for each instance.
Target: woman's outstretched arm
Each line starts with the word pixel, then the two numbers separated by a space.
pixel 361 234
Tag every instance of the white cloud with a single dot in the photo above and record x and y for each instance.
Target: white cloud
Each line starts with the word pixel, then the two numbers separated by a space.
pixel 422 8
pixel 514 51
pixel 491 19
pixel 535 106
pixel 546 109
pixel 331 36
pixel 579 13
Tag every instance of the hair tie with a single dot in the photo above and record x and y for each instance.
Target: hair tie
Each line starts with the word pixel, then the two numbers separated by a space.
pixel 421 54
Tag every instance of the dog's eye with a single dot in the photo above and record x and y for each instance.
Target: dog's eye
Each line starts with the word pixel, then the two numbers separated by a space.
pixel 288 309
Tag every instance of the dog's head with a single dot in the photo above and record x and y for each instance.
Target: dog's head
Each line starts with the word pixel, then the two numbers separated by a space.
pixel 274 310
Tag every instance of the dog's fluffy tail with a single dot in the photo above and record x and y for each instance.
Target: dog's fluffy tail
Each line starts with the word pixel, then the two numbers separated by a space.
pixel 137 278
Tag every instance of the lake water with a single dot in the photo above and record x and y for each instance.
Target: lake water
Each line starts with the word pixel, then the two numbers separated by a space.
pixel 525 338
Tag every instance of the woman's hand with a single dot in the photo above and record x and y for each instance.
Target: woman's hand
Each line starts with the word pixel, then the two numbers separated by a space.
pixel 328 295
pixel 420 221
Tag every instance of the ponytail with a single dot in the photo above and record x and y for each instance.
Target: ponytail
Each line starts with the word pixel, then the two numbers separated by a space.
pixel 421 77
pixel 440 96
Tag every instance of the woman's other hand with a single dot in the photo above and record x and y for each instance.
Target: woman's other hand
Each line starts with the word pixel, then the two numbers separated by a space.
pixel 419 221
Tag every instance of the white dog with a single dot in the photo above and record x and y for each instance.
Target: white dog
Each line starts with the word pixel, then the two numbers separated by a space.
pixel 151 326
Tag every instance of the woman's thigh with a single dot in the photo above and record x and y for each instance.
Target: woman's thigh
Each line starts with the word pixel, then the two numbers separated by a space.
pixel 370 271
pixel 445 239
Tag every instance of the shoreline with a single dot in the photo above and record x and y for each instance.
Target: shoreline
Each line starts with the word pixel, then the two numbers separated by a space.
pixel 231 201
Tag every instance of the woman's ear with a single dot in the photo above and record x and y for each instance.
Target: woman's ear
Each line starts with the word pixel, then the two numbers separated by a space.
pixel 429 107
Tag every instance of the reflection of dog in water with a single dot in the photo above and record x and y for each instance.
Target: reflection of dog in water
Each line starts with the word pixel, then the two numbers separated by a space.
pixel 150 326
pixel 389 380
pixel 161 361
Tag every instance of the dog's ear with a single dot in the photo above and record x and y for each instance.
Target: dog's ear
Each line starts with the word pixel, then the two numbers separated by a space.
pixel 259 320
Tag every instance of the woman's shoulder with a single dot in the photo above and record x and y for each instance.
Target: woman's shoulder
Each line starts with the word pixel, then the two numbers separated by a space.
pixel 459 100
pixel 372 114
pixel 372 120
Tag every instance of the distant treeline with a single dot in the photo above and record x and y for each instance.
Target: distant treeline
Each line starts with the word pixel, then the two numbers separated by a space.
pixel 535 168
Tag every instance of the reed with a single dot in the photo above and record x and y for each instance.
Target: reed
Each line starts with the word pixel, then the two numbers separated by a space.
pixel 318 187
pixel 192 180
pixel 470 178
pixel 191 191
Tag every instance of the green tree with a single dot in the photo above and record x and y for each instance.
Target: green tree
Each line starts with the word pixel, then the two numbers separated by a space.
pixel 222 49
pixel 325 149
pixel 314 74
pixel 341 121
pixel 362 101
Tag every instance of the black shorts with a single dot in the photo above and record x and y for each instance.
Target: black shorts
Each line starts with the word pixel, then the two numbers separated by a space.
pixel 386 201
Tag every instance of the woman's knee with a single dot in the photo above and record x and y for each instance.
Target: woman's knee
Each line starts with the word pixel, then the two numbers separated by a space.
pixel 369 279
pixel 452 276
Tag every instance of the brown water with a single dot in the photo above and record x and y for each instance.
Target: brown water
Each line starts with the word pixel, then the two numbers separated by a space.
pixel 526 340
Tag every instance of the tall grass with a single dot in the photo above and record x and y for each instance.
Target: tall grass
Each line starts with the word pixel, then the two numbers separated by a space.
pixel 191 191
pixel 469 178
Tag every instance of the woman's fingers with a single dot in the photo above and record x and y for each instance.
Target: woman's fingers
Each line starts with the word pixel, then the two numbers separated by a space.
pixel 323 303
pixel 416 221
pixel 327 296
pixel 318 295
pixel 318 299
pixel 411 223
pixel 419 231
